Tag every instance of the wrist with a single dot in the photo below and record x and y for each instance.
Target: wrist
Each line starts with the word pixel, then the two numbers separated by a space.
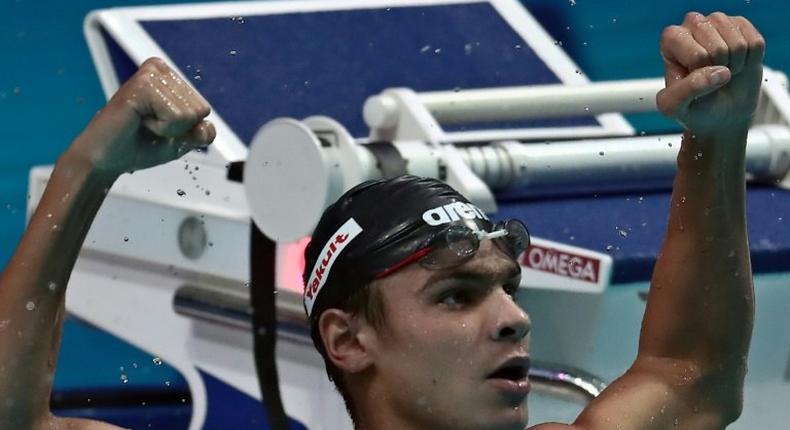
pixel 76 161
pixel 722 150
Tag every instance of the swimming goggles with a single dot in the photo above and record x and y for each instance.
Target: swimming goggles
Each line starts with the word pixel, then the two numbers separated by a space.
pixel 457 243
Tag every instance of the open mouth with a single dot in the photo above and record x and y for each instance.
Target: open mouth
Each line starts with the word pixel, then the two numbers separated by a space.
pixel 515 369
pixel 511 373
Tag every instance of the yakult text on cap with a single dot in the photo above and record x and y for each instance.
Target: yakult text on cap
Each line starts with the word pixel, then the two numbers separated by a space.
pixel 334 246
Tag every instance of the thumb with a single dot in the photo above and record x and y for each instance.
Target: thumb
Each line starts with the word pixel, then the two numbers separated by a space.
pixel 677 96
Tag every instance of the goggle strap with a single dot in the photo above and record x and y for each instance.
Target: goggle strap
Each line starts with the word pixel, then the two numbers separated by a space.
pixel 405 262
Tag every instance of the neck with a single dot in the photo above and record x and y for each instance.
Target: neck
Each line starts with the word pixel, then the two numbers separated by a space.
pixel 375 409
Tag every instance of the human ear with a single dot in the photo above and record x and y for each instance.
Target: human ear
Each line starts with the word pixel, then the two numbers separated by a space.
pixel 344 340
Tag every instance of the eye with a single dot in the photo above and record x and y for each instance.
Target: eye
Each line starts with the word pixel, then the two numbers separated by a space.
pixel 459 297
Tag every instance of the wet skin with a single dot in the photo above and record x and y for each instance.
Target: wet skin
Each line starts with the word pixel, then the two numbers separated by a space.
pixel 446 332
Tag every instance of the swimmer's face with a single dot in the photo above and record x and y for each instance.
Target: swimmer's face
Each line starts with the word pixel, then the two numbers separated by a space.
pixel 446 333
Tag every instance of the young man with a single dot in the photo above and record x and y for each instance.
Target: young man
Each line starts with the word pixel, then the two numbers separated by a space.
pixel 413 313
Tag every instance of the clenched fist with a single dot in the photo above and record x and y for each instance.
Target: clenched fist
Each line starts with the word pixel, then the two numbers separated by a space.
pixel 713 72
pixel 155 117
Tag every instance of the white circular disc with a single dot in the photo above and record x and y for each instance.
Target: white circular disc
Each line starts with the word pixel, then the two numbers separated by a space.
pixel 286 180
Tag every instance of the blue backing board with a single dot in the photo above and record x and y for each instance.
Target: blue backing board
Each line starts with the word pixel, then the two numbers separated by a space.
pixel 598 223
pixel 327 63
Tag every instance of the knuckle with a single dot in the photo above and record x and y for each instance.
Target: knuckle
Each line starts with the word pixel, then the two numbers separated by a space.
pixel 154 63
pixel 692 16
pixel 719 17
pixel 758 43
pixel 147 69
pixel 700 58
pixel 720 54
pixel 203 111
pixel 739 47
pixel 670 32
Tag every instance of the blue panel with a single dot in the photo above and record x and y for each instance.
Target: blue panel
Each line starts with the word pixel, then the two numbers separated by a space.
pixel 595 223
pixel 123 65
pixel 229 408
pixel 80 368
pixel 328 63
pixel 88 382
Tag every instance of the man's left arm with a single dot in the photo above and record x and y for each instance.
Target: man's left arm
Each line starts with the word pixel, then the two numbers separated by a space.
pixel 690 368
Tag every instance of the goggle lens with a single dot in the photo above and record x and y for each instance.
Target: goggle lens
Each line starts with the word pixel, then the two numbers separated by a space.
pixel 458 243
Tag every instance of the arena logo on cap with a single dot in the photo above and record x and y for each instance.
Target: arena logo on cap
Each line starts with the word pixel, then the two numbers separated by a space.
pixel 450 212
pixel 334 246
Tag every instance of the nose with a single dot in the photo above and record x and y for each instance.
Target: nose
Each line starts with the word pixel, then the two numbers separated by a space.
pixel 512 323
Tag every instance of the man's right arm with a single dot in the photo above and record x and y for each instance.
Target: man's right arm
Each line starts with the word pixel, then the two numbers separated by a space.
pixel 155 117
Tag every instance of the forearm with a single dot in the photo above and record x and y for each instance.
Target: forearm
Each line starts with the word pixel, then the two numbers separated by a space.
pixel 701 303
pixel 32 287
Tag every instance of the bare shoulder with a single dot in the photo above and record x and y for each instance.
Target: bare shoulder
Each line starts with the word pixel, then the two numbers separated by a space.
pixel 60 423
pixel 655 394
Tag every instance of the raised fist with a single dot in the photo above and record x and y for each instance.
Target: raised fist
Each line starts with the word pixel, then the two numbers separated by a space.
pixel 713 72
pixel 154 118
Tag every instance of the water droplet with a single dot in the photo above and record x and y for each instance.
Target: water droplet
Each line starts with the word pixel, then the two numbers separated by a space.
pixel 600 153
pixel 233 52
pixel 425 49
pixel 572 2
pixel 52 286
pixel 4 324
pixel 622 233
pixel 167 383
pixel 30 306
pixel 124 378
pixel 181 192
pixel 437 50
pixel 197 77
pixel 609 248
pixel 157 361
pixel 125 238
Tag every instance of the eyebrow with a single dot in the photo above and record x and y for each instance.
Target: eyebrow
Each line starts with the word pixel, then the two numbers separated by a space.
pixel 488 274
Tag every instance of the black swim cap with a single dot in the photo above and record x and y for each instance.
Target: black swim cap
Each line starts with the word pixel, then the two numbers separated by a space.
pixel 372 227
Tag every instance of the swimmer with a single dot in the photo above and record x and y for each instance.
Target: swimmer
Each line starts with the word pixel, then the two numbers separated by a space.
pixel 410 297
